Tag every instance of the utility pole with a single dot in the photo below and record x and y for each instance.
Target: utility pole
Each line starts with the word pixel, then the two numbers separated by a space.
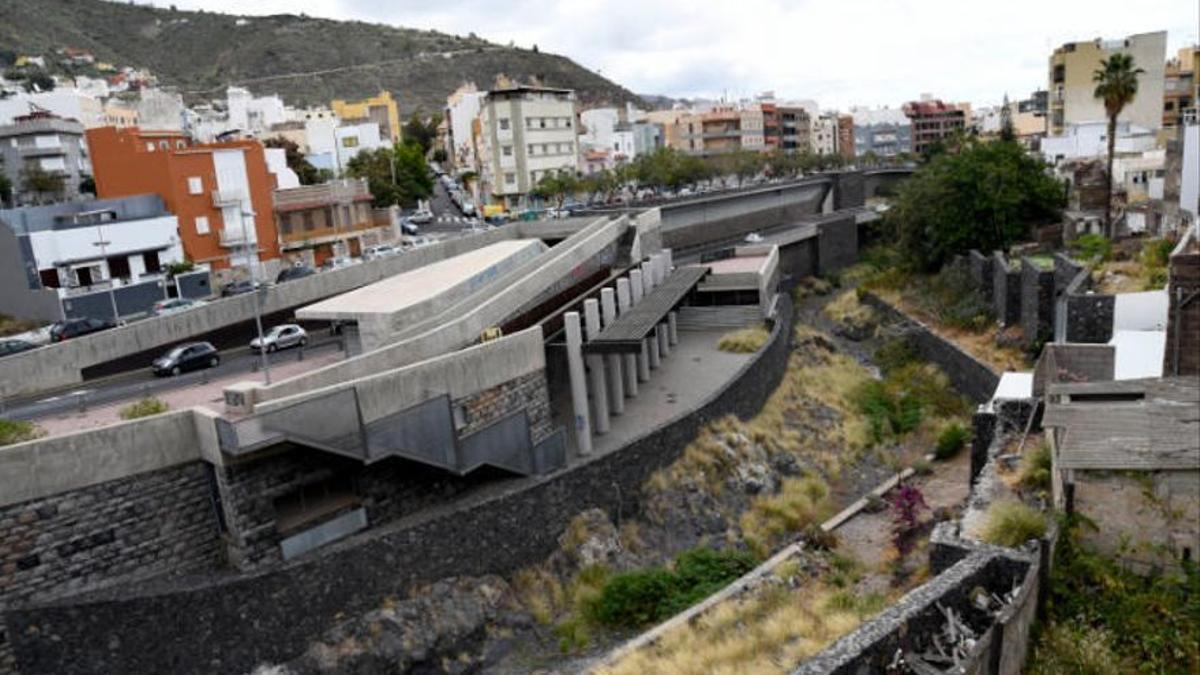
pixel 112 294
pixel 257 291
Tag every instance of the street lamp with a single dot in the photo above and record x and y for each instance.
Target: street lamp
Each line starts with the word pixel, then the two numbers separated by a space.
pixel 256 290
pixel 112 294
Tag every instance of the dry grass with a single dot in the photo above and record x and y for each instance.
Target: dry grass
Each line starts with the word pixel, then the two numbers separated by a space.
pixel 847 309
pixel 13 326
pixel 980 345
pixel 1011 523
pixel 744 341
pixel 799 503
pixel 788 626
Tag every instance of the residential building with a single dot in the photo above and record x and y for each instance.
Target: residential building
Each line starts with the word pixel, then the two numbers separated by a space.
pixel 318 222
pixel 220 192
pixel 1028 119
pixel 772 129
pixel 462 110
pixel 669 121
pixel 1181 87
pixel 824 133
pixel 160 110
pixel 722 130
pixel 1072 90
pixel 884 132
pixel 1086 140
pixel 252 114
pixel 795 127
pixel 608 129
pixel 65 103
pixel 934 121
pixel 527 133
pixel 49 143
pixel 119 115
pixel 68 252
pixel 381 109
pixel 647 137
pixel 845 136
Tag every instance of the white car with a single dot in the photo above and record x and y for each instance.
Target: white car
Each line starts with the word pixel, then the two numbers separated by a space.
pixel 379 251
pixel 339 262
pixel 281 337
pixel 421 216
pixel 175 306
pixel 754 238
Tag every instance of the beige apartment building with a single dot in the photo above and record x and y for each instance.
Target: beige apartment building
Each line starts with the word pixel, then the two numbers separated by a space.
pixel 526 133
pixel 1181 87
pixel 722 130
pixel 1072 65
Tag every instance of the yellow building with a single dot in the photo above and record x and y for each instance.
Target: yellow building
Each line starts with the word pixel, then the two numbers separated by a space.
pixel 1072 90
pixel 381 109
pixel 120 115
pixel 1182 87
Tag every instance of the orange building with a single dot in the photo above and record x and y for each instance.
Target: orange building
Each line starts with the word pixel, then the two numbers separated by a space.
pixel 210 188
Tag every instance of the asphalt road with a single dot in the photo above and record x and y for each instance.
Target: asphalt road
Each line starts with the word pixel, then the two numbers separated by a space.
pixel 135 384
pixel 446 215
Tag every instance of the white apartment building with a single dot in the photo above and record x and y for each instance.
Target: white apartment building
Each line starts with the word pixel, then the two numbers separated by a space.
pixel 824 134
pixel 526 134
pixel 65 103
pixel 462 112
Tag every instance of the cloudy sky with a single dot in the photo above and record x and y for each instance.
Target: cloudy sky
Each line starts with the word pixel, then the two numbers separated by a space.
pixel 839 52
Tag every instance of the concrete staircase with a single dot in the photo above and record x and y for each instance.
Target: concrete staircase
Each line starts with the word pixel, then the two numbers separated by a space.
pixel 722 316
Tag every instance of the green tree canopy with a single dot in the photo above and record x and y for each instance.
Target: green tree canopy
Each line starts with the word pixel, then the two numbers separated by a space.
pixel 1116 85
pixel 556 187
pixel 422 132
pixel 411 174
pixel 983 195
pixel 42 184
pixel 296 161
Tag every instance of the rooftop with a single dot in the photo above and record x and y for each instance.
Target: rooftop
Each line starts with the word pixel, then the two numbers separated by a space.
pixel 67 215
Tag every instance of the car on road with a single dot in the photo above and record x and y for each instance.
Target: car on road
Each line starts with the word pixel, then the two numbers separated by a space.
pixel 295 272
pixel 281 337
pixel 10 347
pixel 339 262
pixel 421 216
pixel 408 227
pixel 186 357
pixel 754 238
pixel 239 287
pixel 379 251
pixel 175 306
pixel 467 208
pixel 72 328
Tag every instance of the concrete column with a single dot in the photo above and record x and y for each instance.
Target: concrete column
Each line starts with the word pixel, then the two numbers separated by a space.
pixel 637 287
pixel 595 364
pixel 668 260
pixel 616 383
pixel 655 354
pixel 647 277
pixel 629 367
pixel 583 432
pixel 660 270
pixel 664 341
pixel 673 329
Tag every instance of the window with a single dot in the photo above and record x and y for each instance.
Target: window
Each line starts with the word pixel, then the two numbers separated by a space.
pixel 350 142
pixel 308 221
pixel 504 124
pixel 510 178
pixel 543 122
pixel 201 224
pixel 149 146
pixel 195 185
pixel 164 145
pixel 507 150
pixel 180 144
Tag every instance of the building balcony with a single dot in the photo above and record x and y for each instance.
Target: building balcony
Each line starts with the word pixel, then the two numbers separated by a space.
pixel 35 151
pixel 223 198
pixel 233 237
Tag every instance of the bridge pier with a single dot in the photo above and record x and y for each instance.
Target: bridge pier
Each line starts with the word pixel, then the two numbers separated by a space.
pixel 595 364
pixel 616 384
pixel 637 279
pixel 579 402
pixel 629 367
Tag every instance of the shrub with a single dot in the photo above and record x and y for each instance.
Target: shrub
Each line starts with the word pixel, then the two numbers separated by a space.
pixel 744 341
pixel 797 505
pixel 1010 523
pixel 1036 464
pixel 894 354
pixel 18 431
pixel 907 504
pixel 1090 246
pixel 953 299
pixel 952 439
pixel 633 598
pixel 1084 650
pixel 922 467
pixel 144 408
pixel 896 405
pixel 1156 252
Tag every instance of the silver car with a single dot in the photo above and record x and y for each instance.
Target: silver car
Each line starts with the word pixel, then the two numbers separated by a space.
pixel 281 337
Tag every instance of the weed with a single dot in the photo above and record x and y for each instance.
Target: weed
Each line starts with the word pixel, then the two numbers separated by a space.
pixel 1035 469
pixel 144 408
pixel 952 439
pixel 19 431
pixel 1011 523
pixel 908 503
pixel 922 467
pixel 744 341
pixel 894 354
pixel 875 503
pixel 1088 247
pixel 799 503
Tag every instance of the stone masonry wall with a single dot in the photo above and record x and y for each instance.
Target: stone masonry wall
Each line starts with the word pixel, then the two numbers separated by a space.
pixel 1006 291
pixel 1089 318
pixel 495 530
pixel 1037 303
pixel 528 393
pixel 1182 356
pixel 982 272
pixel 837 245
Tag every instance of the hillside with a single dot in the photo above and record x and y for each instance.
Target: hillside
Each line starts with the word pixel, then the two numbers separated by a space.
pixel 202 52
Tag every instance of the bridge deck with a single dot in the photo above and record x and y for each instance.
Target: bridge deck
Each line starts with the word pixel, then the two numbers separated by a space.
pixel 625 335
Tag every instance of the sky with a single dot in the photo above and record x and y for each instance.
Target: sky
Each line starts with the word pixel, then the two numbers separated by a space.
pixel 841 53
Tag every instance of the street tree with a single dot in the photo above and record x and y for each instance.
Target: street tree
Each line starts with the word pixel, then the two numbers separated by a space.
pixel 556 187
pixel 1116 85
pixel 296 161
pixel 422 131
pixel 396 175
pixel 42 184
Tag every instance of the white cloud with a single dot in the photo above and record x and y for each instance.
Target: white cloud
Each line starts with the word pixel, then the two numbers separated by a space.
pixel 839 52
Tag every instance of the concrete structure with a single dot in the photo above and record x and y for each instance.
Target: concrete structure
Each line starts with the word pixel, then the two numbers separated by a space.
pixel 934 121
pixel 317 222
pixel 44 144
pixel 382 309
pixel 527 133
pixel 57 252
pixel 885 132
pixel 381 109
pixel 160 110
pixel 214 190
pixel 1071 66
pixel 669 121
pixel 845 136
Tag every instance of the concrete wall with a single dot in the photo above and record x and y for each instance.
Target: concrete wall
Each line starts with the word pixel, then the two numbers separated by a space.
pixel 710 219
pixel 1182 355
pixel 1037 303
pixel 970 376
pixel 982 272
pixel 487 532
pixel 837 245
pixel 62 364
pixel 1006 291
pixel 18 299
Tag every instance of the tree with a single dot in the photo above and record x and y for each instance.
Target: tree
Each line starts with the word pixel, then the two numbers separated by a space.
pixel 87 184
pixel 1116 85
pixel 984 196
pixel 556 186
pixel 423 132
pixel 42 184
pixel 396 175
pixel 1007 133
pixel 296 161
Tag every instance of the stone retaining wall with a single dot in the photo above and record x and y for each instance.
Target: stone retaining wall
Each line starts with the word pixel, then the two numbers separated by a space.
pixel 217 624
pixel 1037 303
pixel 1006 291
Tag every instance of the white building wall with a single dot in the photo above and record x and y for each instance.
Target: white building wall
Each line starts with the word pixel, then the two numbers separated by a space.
pixel 51 247
pixel 65 103
pixel 1189 188
pixel 355 138
pixel 1088 140
pixel 462 116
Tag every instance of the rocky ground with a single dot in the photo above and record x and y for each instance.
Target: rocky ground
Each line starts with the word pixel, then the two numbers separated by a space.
pixel 708 497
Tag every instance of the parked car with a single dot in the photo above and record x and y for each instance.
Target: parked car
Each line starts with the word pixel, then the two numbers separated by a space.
pixel 295 272
pixel 380 250
pixel 467 207
pixel 421 216
pixel 175 306
pixel 409 227
pixel 72 328
pixel 339 262
pixel 754 238
pixel 10 347
pixel 239 287
pixel 185 357
pixel 281 337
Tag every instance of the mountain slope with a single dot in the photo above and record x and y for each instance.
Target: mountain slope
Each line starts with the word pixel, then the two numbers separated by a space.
pixel 202 52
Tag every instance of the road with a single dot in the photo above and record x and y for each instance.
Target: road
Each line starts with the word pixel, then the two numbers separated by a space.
pixel 446 215
pixel 141 383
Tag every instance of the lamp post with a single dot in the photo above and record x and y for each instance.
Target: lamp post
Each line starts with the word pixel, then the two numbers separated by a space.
pixel 256 290
pixel 112 294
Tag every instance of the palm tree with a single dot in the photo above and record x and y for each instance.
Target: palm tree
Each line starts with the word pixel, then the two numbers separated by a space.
pixel 1116 85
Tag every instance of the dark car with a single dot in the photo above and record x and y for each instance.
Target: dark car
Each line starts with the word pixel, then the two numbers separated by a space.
pixel 72 328
pixel 8 347
pixel 185 357
pixel 238 287
pixel 290 273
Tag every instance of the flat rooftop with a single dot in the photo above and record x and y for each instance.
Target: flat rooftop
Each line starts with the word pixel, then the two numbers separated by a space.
pixel 469 272
pixel 738 265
